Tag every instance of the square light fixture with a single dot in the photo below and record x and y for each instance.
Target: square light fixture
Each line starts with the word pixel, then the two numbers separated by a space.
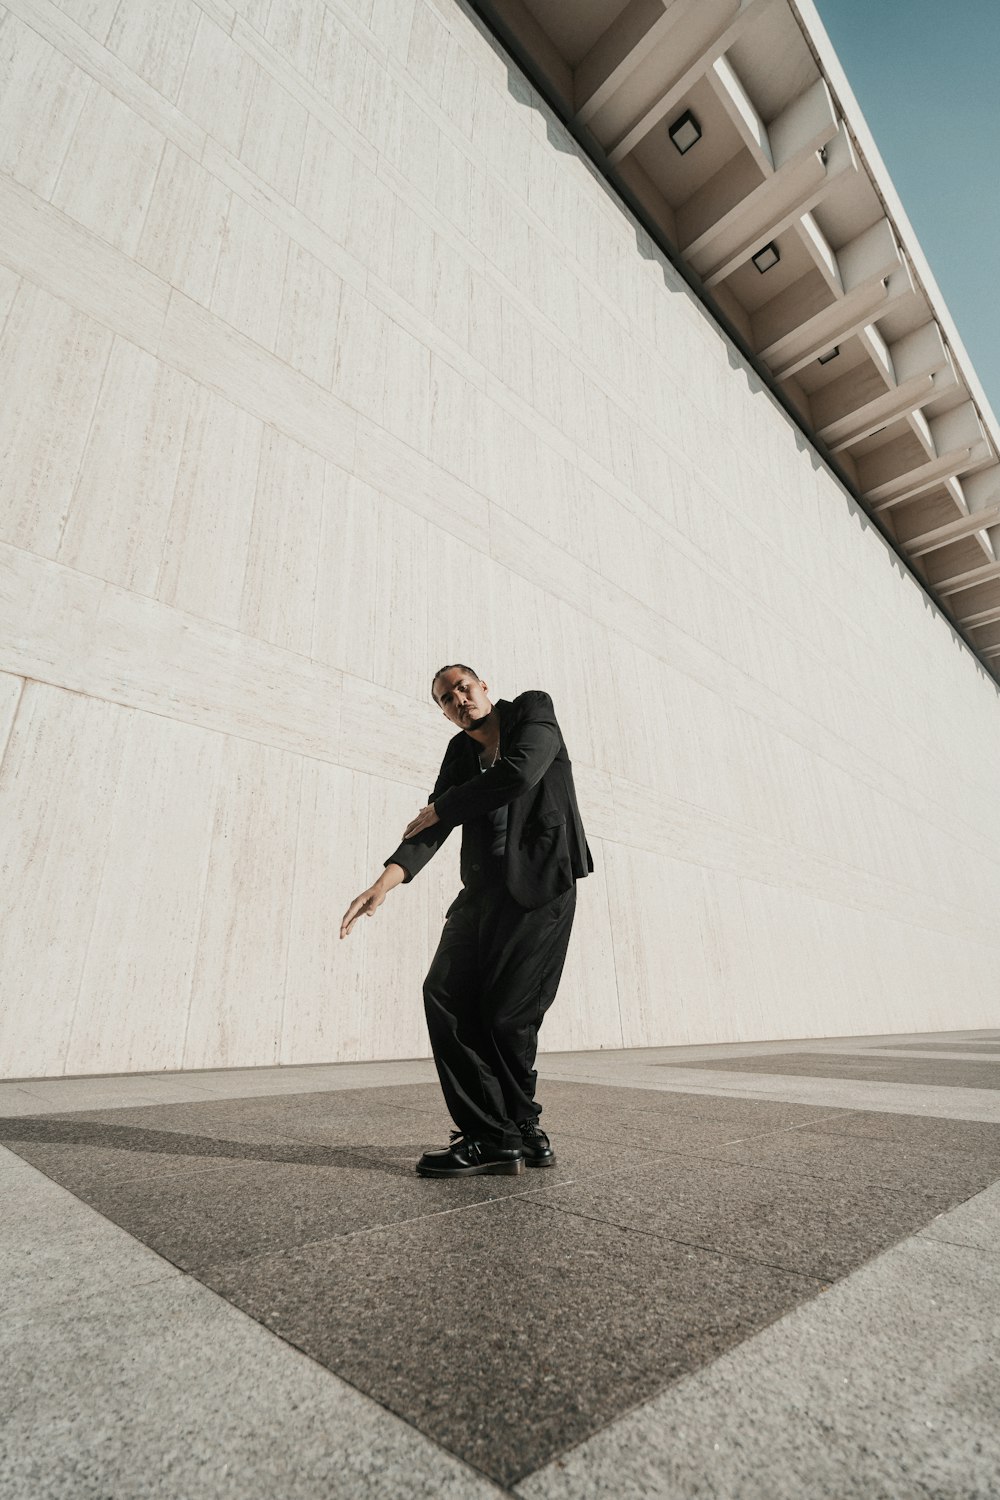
pixel 685 131
pixel 825 359
pixel 766 258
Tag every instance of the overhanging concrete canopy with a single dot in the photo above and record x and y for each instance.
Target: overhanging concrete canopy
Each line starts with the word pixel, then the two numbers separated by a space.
pixel 840 308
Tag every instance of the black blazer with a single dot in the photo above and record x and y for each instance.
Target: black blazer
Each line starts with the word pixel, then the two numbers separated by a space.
pixel 546 845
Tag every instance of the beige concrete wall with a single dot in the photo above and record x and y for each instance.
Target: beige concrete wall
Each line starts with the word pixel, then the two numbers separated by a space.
pixel 325 359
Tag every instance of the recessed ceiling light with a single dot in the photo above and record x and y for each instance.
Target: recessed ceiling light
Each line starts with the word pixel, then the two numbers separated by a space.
pixel 825 359
pixel 685 131
pixel 766 258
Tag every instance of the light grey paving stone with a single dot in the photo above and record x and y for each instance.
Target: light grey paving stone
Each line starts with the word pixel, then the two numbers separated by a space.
pixel 946 1103
pixel 10 1166
pixel 47 1095
pixel 86 1154
pixel 975 1224
pixel 16 1101
pixel 883 1388
pixel 166 1391
pixel 973 1048
pixel 57 1098
pixel 333 1110
pixel 53 1249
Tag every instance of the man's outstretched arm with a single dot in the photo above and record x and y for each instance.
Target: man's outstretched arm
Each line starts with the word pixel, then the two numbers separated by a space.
pixel 411 856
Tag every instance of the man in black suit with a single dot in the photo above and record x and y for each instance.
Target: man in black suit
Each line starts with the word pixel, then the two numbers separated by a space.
pixel 507 779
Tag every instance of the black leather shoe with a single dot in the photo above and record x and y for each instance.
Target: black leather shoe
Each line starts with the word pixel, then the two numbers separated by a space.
pixel 468 1158
pixel 535 1145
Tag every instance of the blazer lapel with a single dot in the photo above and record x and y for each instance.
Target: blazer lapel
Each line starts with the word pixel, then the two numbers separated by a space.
pixel 503 710
pixel 471 763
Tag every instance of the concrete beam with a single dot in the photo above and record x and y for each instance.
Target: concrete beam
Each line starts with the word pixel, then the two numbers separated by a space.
pixel 968 580
pixel 773 206
pixel 821 252
pixel 941 536
pixel 917 368
pixel 741 110
pixel 620 49
pixel 874 276
pixel 690 69
pixel 920 478
pixel 888 407
pixel 981 617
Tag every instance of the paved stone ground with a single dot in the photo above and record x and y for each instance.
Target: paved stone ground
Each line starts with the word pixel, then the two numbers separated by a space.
pixel 762 1270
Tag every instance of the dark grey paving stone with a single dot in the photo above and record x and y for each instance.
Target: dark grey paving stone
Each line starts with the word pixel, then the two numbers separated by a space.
pixel 213 1185
pixel 568 1106
pixel 507 1333
pixel 668 1119
pixel 847 1158
pixel 975 1138
pixel 583 1105
pixel 85 1153
pixel 947 1073
pixel 821 1228
pixel 224 1211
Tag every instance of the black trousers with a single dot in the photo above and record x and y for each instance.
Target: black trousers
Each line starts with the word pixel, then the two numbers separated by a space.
pixel 493 977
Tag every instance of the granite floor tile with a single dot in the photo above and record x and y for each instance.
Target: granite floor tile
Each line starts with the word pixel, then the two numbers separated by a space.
pixel 91 1169
pixel 847 1158
pixel 819 1228
pixel 882 1389
pixel 587 1109
pixel 349 1107
pixel 947 1073
pixel 305 1210
pixel 53 1248
pixel 206 1129
pixel 249 1208
pixel 972 1047
pixel 975 1224
pixel 89 1151
pixel 10 1166
pixel 976 1138
pixel 96 1153
pixel 166 1390
pixel 506 1332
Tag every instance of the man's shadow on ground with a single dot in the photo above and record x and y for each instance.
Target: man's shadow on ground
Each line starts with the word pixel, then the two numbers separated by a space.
pixel 20 1134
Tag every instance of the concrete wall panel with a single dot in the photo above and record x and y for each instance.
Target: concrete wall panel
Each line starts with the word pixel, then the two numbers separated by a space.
pixel 328 360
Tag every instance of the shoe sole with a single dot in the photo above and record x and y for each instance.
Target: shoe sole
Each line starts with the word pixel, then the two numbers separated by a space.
pixel 488 1169
pixel 548 1161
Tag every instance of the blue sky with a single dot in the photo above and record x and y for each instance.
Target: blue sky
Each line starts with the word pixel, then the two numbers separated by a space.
pixel 927 77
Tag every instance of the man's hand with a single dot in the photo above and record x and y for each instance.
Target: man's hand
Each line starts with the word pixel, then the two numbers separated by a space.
pixel 364 905
pixel 426 818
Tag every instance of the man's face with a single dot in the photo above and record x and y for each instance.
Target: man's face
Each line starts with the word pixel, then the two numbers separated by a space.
pixel 462 698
